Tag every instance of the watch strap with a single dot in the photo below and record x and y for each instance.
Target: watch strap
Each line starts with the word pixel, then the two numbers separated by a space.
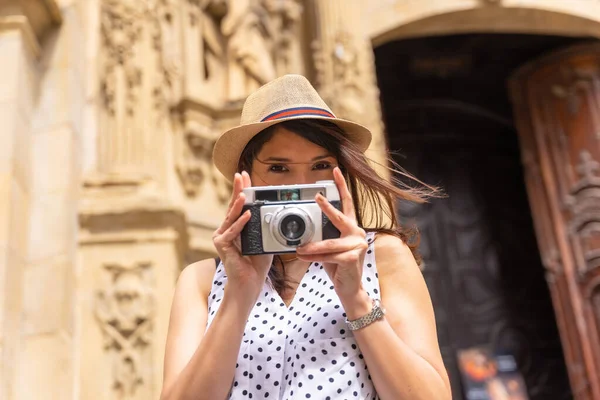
pixel 376 314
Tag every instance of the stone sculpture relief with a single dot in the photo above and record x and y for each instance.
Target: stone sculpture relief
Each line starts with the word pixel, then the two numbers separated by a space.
pixel 231 49
pixel 124 309
pixel 205 46
pixel 136 86
pixel 346 77
pixel 262 43
pixel 194 162
pixel 341 77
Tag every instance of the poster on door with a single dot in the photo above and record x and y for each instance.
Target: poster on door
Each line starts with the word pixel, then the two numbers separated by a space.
pixel 488 376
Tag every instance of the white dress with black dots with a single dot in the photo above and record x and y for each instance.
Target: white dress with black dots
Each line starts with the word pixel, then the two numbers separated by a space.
pixel 304 350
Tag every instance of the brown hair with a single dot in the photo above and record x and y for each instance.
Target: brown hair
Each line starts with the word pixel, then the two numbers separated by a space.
pixel 371 192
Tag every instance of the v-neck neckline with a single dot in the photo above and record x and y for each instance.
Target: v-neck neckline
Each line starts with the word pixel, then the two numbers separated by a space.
pixel 298 289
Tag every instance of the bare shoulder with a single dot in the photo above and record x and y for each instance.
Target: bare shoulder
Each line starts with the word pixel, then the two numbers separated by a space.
pixel 400 277
pixel 393 256
pixel 198 277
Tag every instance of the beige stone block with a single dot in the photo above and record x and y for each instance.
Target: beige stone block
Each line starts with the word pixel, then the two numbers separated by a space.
pixel 14 144
pixel 22 152
pixel 8 117
pixel 89 140
pixel 68 44
pixel 14 204
pixel 17 70
pixel 52 226
pixel 61 100
pixel 28 80
pixel 3 385
pixel 47 368
pixel 4 264
pixel 11 295
pixel 10 49
pixel 5 203
pixel 18 220
pixel 48 300
pixel 52 160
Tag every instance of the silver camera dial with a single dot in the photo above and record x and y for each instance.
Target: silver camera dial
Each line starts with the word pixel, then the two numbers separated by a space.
pixel 292 226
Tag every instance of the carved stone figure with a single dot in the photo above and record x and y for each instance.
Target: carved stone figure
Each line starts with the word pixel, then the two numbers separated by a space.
pixel 205 47
pixel 346 68
pixel 124 310
pixel 167 37
pixel 247 29
pixel 194 162
pixel 256 32
pixel 285 17
pixel 194 157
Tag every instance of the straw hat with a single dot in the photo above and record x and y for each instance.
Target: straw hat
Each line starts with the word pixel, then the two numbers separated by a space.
pixel 286 98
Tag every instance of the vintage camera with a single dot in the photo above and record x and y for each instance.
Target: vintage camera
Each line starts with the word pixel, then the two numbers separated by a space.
pixel 285 217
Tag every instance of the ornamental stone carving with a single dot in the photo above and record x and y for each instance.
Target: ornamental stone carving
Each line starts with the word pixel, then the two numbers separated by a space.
pixel 136 85
pixel 262 43
pixel 124 309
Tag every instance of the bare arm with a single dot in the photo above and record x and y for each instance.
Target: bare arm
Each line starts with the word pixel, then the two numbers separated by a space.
pixel 201 365
pixel 402 350
pixel 198 364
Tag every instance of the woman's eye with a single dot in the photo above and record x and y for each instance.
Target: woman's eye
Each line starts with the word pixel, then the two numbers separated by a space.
pixel 323 165
pixel 277 168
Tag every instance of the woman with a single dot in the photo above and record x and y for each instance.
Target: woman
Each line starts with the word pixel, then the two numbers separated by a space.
pixel 305 325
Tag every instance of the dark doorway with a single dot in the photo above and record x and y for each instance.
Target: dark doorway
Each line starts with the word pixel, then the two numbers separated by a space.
pixel 448 116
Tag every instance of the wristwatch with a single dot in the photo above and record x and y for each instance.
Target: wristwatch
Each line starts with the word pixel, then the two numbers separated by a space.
pixel 376 314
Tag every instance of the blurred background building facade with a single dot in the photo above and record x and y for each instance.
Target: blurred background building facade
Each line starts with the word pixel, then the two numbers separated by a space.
pixel 110 109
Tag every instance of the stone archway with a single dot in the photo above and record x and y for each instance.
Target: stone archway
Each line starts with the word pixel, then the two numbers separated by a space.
pixel 392 21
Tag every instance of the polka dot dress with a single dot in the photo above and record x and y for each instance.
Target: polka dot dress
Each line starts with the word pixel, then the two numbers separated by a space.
pixel 305 350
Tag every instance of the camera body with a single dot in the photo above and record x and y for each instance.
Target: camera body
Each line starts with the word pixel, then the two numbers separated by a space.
pixel 285 217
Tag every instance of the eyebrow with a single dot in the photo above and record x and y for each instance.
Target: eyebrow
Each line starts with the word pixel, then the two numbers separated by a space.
pixel 280 159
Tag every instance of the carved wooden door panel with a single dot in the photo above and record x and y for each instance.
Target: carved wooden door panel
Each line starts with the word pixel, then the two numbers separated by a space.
pixel 557 105
pixel 482 264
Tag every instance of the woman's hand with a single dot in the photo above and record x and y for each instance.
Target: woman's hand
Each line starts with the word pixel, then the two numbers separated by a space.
pixel 245 274
pixel 342 258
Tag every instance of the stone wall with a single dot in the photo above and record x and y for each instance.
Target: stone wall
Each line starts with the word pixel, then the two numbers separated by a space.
pixel 107 190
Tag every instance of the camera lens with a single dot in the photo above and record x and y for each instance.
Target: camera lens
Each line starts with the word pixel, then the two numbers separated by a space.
pixel 292 227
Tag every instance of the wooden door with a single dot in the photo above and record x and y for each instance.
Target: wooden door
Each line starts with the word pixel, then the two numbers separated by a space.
pixel 557 108
pixel 482 265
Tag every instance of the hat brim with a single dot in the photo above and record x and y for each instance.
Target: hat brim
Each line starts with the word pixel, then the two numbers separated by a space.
pixel 230 145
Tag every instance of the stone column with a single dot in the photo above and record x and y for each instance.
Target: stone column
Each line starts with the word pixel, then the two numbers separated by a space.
pixel 345 69
pixel 557 108
pixel 132 234
pixel 22 26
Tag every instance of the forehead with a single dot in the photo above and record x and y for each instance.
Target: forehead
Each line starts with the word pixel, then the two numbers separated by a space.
pixel 285 143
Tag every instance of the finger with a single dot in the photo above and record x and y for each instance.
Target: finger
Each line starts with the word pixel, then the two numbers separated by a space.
pixel 345 196
pixel 344 257
pixel 344 224
pixel 233 213
pixel 237 188
pixel 235 229
pixel 354 242
pixel 247 182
